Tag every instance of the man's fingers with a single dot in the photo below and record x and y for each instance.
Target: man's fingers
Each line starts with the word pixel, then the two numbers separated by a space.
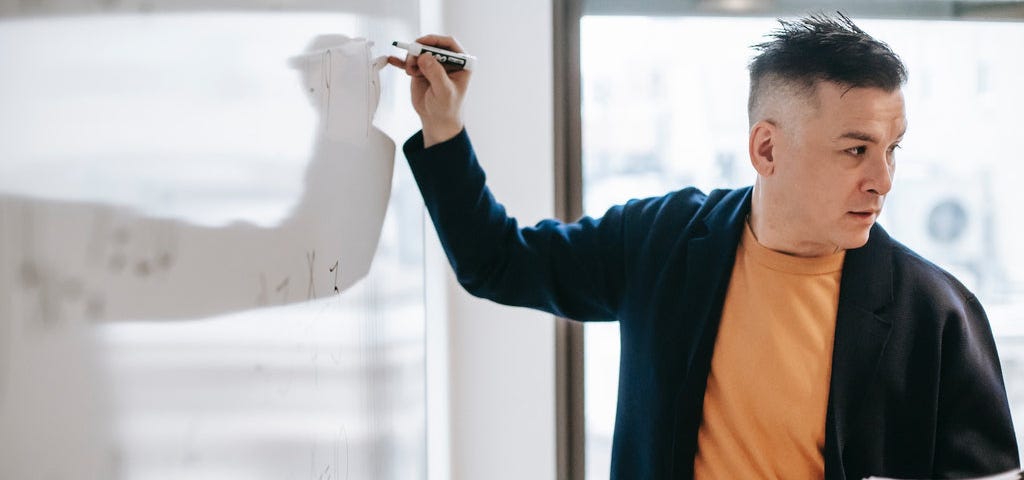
pixel 434 72
pixel 441 41
pixel 397 62
pixel 408 64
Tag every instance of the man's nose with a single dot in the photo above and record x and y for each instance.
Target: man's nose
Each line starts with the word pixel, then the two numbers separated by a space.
pixel 879 174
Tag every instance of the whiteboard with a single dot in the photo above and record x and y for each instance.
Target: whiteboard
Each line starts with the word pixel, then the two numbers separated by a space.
pixel 208 269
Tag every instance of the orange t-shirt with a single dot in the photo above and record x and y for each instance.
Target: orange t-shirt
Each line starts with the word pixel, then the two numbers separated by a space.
pixel 767 391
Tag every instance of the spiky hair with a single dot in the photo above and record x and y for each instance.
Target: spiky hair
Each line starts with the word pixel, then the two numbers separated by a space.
pixel 822 47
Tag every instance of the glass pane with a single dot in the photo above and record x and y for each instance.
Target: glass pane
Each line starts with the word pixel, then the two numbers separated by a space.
pixel 199 118
pixel 673 114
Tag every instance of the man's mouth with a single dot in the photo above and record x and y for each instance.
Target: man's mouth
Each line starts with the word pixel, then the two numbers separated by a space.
pixel 863 214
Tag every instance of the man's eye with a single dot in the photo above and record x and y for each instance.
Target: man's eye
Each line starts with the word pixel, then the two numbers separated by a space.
pixel 861 150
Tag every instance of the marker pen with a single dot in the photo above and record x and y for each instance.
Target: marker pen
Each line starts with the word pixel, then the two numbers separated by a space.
pixel 451 60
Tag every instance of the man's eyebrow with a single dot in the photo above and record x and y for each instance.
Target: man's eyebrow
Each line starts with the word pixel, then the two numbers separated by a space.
pixel 865 137
pixel 855 135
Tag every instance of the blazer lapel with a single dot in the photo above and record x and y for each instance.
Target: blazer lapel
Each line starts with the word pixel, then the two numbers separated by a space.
pixel 711 251
pixel 860 339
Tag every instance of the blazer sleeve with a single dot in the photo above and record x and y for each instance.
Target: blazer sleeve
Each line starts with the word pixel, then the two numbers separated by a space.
pixel 573 270
pixel 975 433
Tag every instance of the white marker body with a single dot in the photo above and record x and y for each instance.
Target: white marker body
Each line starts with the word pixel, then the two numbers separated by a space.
pixel 451 60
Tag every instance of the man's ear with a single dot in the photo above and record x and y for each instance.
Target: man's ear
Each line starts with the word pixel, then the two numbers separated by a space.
pixel 762 143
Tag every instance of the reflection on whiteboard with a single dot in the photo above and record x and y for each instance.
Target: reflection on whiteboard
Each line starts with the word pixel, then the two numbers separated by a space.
pixel 66 264
pixel 107 263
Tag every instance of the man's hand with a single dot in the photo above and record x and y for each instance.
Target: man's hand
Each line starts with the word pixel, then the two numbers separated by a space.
pixel 436 94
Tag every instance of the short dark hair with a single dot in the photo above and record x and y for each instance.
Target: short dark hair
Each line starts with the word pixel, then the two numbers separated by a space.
pixel 822 47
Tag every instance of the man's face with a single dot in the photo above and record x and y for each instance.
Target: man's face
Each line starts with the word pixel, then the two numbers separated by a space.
pixel 834 163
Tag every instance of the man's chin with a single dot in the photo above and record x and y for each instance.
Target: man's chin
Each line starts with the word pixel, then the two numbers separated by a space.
pixel 856 240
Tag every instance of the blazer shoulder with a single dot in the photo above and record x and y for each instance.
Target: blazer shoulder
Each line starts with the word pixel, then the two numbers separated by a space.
pixel 644 214
pixel 677 207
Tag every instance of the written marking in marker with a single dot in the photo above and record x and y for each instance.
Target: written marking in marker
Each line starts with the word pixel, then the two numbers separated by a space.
pixel 335 270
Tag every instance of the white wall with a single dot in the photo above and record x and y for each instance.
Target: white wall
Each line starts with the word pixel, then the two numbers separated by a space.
pixel 500 361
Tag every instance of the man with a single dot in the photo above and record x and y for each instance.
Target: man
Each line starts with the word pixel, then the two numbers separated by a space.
pixel 767 332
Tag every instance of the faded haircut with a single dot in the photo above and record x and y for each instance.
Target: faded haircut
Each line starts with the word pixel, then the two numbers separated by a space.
pixel 817 48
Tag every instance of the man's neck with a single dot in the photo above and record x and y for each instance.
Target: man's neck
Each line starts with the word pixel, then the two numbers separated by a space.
pixel 771 232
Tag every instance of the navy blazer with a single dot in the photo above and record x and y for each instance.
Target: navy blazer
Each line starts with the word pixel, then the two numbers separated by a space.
pixel 916 388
